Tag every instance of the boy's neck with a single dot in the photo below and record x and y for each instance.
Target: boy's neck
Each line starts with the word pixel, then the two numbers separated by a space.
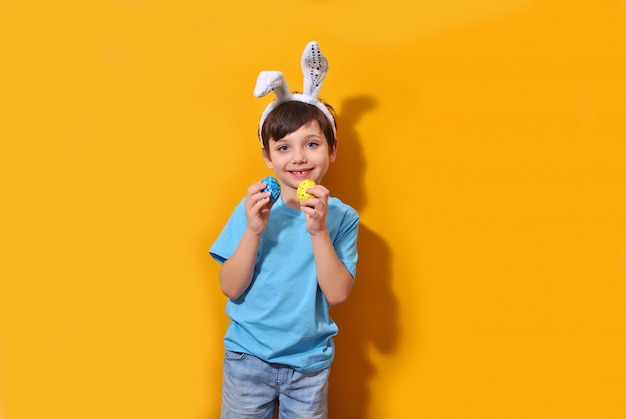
pixel 290 199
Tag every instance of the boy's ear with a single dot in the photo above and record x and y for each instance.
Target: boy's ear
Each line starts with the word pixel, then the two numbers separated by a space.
pixel 333 151
pixel 266 157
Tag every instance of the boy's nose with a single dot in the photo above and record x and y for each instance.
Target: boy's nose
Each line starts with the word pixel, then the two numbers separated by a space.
pixel 299 157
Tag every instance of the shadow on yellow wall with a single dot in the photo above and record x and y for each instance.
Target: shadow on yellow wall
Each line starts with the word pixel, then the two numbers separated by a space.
pixel 370 317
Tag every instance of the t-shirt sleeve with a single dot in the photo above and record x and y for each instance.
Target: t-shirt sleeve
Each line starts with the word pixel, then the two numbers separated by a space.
pixel 346 241
pixel 228 239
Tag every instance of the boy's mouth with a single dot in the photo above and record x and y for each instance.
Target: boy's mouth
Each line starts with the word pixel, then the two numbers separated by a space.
pixel 300 173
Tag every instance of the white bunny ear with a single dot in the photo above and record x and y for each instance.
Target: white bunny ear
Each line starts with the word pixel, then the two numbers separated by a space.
pixel 269 81
pixel 314 68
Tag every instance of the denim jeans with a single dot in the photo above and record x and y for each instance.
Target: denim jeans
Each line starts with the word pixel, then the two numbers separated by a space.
pixel 252 388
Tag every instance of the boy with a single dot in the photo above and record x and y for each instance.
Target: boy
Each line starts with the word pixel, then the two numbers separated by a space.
pixel 285 263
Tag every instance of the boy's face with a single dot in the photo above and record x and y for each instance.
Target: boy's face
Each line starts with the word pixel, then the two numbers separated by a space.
pixel 300 155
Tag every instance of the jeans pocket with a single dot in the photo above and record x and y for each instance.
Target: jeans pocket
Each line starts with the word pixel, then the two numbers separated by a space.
pixel 234 356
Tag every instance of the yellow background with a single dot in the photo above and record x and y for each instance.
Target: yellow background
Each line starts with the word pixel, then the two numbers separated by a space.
pixel 482 142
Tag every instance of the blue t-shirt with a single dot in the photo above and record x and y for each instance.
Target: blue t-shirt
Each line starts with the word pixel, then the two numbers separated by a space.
pixel 283 315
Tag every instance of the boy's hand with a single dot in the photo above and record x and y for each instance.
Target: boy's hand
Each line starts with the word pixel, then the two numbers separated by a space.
pixel 315 209
pixel 257 207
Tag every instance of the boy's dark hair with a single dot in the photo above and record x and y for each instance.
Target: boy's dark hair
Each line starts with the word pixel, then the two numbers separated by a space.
pixel 290 116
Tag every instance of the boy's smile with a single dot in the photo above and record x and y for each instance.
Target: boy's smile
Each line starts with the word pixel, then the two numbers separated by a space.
pixel 302 154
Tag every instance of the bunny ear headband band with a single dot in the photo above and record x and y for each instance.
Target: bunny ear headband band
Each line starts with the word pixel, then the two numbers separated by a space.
pixel 314 68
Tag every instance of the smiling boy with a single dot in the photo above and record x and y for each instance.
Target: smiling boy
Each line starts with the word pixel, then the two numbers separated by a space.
pixel 285 263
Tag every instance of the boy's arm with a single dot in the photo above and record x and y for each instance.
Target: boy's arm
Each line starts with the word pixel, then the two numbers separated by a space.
pixel 236 272
pixel 333 277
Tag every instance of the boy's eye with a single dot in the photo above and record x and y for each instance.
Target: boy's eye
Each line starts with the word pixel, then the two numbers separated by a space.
pixel 282 148
pixel 312 144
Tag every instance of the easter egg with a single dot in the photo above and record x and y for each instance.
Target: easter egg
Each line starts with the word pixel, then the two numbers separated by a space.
pixel 302 187
pixel 272 186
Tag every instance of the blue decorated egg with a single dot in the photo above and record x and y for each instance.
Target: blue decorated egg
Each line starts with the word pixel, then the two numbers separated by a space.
pixel 272 186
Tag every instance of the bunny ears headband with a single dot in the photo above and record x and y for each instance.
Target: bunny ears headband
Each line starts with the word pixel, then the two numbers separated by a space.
pixel 314 68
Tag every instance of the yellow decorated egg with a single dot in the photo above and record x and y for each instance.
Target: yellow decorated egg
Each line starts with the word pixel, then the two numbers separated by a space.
pixel 302 187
